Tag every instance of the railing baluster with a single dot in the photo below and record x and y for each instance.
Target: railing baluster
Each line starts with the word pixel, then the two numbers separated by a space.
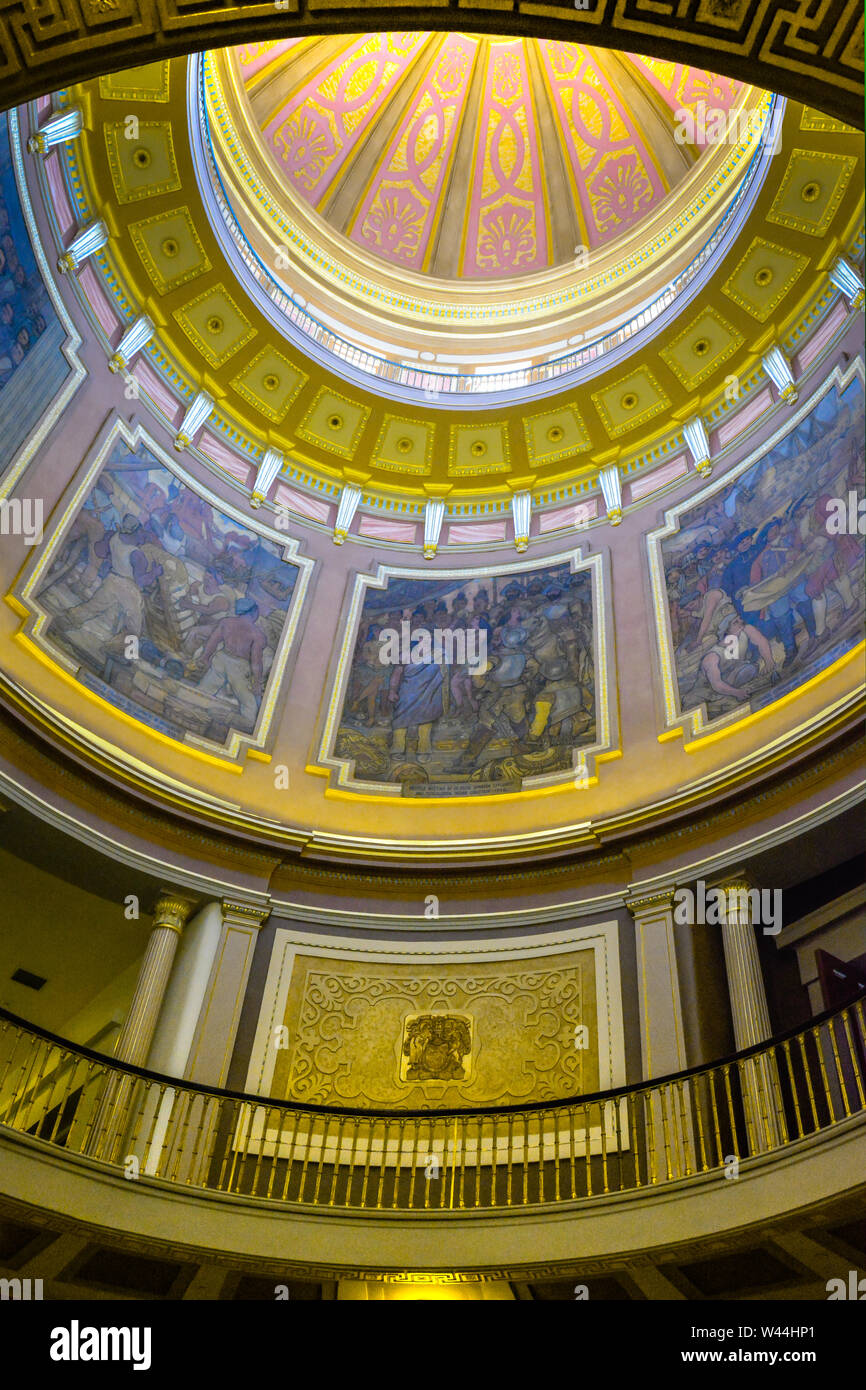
pixel 275 1158
pixel 852 1052
pixel 732 1118
pixel 808 1070
pixel 250 1109
pixel 185 1105
pixel 21 1089
pixel 602 1117
pixel 746 1080
pixel 367 1159
pixel 398 1162
pixel 827 1091
pixel 414 1172
pixel 699 1107
pixel 308 1149
pixel 649 1124
pixel 633 1144
pixel 254 1186
pixel 42 1051
pixel 840 1075
pixel 793 1084
pixel 460 1124
pixel 712 1076
pixel 618 1137
pixel 431 1155
pixel 381 1181
pixel 684 1130
pixel 325 1132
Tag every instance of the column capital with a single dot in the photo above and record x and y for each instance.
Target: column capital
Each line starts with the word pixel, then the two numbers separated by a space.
pixel 732 880
pixel 172 910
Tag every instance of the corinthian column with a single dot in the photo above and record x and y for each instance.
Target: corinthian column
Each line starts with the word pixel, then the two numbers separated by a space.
pixel 169 919
pixel 122 1098
pixel 751 1017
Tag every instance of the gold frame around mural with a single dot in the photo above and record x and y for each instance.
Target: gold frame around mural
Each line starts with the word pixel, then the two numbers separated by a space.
pixel 16 466
pixel 693 725
pixel 22 600
pixel 582 775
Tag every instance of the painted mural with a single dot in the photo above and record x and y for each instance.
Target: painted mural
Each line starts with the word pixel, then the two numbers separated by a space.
pixel 169 609
pixel 503 690
pixel 26 315
pixel 764 580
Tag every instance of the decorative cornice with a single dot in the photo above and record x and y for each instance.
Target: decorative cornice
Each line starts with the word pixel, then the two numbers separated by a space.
pixel 650 904
pixel 786 46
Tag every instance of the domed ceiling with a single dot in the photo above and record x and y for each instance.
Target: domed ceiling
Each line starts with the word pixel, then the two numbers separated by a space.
pixel 492 206
pixel 194 498
pixel 482 157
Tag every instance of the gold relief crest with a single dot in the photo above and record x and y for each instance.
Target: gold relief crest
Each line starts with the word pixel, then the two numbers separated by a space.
pixel 436 1047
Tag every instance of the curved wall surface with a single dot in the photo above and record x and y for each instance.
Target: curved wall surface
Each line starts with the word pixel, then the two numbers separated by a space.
pixel 626 664
pixel 368 753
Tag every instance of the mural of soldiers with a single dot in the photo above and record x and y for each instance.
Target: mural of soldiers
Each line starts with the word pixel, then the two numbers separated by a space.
pixel 503 692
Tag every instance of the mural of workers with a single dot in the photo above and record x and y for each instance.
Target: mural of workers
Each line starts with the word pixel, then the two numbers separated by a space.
pixel 26 314
pixel 764 587
pixel 516 699
pixel 171 610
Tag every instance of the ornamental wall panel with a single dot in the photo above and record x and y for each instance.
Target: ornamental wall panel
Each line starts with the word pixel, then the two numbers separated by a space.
pixel 374 1026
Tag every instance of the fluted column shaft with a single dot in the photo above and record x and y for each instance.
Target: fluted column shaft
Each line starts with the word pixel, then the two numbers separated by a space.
pixel 136 1035
pixel 121 1098
pixel 750 1015
pixel 749 1010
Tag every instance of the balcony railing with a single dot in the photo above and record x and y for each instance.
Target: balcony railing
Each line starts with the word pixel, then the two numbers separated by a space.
pixel 699 1121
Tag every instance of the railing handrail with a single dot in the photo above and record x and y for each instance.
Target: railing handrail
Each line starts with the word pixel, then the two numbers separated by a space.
pixel 460 1112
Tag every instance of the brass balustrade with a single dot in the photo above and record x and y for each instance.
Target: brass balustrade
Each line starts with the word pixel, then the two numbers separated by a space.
pixel 641 1136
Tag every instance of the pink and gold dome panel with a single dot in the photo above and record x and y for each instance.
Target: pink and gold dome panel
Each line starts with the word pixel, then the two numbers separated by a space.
pixel 482 157
pixel 485 209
